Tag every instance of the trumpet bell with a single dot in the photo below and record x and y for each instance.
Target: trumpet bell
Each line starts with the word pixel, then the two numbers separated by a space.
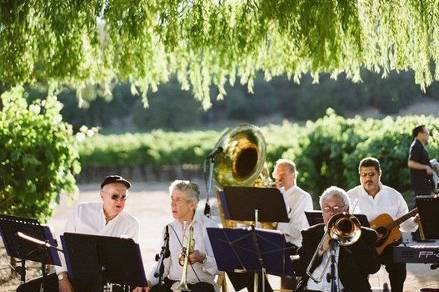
pixel 345 228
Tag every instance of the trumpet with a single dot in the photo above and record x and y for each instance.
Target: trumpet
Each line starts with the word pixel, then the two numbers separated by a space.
pixel 345 229
pixel 183 259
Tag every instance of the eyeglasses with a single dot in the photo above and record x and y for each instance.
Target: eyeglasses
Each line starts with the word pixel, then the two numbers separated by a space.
pixel 333 209
pixel 115 197
pixel 178 200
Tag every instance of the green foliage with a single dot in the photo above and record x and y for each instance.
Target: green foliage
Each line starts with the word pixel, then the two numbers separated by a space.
pixel 157 148
pixel 39 158
pixel 327 151
pixel 209 42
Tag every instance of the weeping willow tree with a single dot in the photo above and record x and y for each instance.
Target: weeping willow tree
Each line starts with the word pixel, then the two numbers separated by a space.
pixel 208 42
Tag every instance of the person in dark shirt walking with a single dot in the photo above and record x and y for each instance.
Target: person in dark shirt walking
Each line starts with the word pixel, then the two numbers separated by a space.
pixel 421 171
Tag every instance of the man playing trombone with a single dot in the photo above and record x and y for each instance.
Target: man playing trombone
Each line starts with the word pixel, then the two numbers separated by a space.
pixel 190 263
pixel 341 240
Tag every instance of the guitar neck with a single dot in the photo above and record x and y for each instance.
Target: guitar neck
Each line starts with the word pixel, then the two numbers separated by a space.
pixel 403 218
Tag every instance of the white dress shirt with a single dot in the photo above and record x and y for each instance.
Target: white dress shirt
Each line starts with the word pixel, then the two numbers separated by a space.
pixel 387 200
pixel 297 201
pixel 325 268
pixel 89 218
pixel 197 272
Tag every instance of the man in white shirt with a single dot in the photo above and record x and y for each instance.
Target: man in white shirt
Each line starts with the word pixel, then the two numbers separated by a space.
pixel 202 267
pixel 353 263
pixel 372 198
pixel 297 201
pixel 106 218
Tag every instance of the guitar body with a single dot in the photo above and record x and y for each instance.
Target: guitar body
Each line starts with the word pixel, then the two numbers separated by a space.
pixel 390 235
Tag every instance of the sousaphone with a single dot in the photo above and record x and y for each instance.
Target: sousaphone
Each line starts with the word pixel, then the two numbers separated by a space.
pixel 239 161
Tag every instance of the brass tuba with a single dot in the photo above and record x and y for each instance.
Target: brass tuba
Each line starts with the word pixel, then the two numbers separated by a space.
pixel 242 156
pixel 239 161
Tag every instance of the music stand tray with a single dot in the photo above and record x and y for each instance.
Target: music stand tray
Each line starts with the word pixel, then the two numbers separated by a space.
pixel 240 203
pixel 236 249
pixel 20 248
pixel 428 208
pixel 95 260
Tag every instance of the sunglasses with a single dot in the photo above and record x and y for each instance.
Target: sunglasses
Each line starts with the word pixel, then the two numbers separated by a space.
pixel 119 197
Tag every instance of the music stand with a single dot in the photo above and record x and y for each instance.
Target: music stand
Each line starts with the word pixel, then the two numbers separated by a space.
pixel 428 208
pixel 18 247
pixel 252 250
pixel 316 217
pixel 94 260
pixel 240 203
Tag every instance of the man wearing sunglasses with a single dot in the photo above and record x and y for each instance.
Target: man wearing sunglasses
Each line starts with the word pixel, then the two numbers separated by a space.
pixel 105 217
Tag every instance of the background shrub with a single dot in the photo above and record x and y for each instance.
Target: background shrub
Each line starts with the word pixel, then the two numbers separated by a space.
pixel 39 157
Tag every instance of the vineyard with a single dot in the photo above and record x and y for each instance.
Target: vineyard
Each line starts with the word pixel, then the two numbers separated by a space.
pixel 326 151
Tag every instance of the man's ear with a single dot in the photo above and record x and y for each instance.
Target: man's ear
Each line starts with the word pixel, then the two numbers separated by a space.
pixel 194 205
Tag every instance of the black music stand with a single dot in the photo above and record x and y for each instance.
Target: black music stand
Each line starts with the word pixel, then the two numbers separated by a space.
pixel 428 208
pixel 94 260
pixel 255 204
pixel 251 250
pixel 240 203
pixel 18 247
pixel 316 217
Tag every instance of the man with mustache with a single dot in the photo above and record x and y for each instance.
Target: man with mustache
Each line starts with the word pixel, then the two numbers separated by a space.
pixel 372 198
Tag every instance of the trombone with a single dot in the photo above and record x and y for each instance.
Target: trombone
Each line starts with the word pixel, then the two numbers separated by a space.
pixel 345 229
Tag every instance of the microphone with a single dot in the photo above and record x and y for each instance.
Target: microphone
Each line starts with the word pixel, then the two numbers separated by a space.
pixel 164 253
pixel 215 152
pixel 332 246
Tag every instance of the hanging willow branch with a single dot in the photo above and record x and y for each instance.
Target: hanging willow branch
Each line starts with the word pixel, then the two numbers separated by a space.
pixel 206 42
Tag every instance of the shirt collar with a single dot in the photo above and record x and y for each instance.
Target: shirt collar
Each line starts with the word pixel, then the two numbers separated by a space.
pixel 380 185
pixel 290 190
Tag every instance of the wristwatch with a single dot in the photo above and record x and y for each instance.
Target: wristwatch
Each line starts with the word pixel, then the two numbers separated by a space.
pixel 62 276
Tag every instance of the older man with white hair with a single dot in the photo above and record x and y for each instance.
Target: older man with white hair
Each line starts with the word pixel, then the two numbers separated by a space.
pixel 353 263
pixel 202 266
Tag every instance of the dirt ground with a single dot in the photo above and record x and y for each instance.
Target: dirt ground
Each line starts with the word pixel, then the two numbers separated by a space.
pixel 149 202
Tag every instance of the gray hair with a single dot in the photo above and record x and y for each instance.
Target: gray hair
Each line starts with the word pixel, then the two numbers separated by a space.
pixel 289 163
pixel 334 191
pixel 189 188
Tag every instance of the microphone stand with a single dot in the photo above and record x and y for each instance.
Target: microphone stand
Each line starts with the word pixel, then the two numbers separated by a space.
pixel 164 253
pixel 211 161
pixel 331 276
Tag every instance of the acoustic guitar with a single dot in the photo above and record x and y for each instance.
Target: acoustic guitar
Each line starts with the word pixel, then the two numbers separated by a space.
pixel 388 228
